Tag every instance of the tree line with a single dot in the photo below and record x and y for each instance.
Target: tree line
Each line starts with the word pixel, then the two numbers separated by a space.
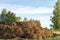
pixel 8 17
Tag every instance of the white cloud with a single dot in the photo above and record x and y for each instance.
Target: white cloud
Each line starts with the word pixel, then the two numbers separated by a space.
pixel 30 10
pixel 25 9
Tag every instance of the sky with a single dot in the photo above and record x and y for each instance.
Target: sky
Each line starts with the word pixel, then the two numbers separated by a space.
pixel 35 9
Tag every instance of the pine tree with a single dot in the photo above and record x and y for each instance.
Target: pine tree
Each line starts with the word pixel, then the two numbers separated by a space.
pixel 56 16
pixel 8 17
pixel 2 15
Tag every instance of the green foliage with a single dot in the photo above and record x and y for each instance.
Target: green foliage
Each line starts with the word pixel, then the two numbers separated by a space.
pixel 2 16
pixel 4 11
pixel 25 19
pixel 36 21
pixel 18 19
pixel 56 16
pixel 8 17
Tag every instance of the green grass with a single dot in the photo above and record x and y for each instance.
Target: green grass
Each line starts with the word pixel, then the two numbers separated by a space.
pixel 52 39
pixel 35 39
pixel 57 32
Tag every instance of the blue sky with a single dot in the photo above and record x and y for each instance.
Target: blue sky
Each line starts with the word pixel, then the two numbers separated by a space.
pixel 35 9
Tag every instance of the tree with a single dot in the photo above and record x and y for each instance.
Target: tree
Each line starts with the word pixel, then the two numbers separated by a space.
pixel 18 19
pixel 36 21
pixel 11 17
pixel 4 11
pixel 25 19
pixel 56 16
pixel 2 15
pixel 8 17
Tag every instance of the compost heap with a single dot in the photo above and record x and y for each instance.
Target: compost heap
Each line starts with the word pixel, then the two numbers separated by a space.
pixel 23 29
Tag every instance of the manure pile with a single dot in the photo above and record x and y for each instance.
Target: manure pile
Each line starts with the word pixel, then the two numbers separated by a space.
pixel 24 29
